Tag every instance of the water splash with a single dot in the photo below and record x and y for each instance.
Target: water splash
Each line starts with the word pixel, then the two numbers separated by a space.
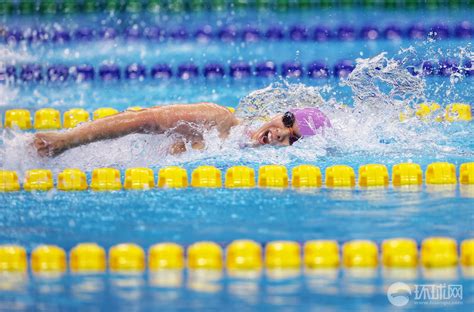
pixel 383 83
pixel 7 94
pixel 370 129
pixel 462 56
pixel 277 98
pixel 8 56
pixel 12 56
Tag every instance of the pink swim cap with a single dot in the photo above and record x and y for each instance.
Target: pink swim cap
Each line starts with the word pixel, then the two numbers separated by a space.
pixel 309 120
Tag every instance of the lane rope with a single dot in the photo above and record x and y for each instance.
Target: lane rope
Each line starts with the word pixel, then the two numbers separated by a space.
pixel 243 255
pixel 438 176
pixel 57 73
pixel 236 33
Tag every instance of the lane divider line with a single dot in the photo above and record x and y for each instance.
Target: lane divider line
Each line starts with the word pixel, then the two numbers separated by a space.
pixel 317 69
pixel 234 33
pixel 246 255
pixel 50 118
pixel 269 176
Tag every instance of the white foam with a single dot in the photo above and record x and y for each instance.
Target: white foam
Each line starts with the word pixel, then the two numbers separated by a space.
pixel 381 89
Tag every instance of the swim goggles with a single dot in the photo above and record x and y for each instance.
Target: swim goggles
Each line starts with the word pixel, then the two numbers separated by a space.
pixel 288 120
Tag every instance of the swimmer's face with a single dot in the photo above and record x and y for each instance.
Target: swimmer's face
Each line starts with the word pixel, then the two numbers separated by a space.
pixel 276 133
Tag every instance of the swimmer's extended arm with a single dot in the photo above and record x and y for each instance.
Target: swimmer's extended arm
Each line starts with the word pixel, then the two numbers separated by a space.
pixel 205 114
pixel 54 143
pixel 156 119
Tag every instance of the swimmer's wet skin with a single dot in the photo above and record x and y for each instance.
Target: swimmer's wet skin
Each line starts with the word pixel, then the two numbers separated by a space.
pixel 187 122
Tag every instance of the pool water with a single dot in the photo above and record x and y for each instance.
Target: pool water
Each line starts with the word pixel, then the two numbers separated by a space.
pixel 365 131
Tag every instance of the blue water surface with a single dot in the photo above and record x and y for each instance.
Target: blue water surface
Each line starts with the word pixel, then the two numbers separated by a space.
pixel 222 215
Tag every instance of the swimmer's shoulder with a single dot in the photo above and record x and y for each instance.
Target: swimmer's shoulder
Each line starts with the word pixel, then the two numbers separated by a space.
pixel 222 115
pixel 220 109
pixel 213 106
pixel 209 110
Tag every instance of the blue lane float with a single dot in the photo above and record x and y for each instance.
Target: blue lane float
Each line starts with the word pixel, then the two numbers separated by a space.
pixel 84 34
pixel 109 72
pixel 83 72
pixel 318 69
pixel 249 33
pixel 346 33
pixel 393 32
pixel 31 72
pixel 204 34
pixel 8 73
pixel 180 34
pixel 266 69
pixel 61 36
pixel 154 33
pixel 227 34
pixel 292 69
pixel 370 32
pixel 108 33
pixel 135 71
pixel 161 71
pixel 463 30
pixel 133 33
pixel 343 68
pixel 298 33
pixel 440 31
pixel 275 33
pixel 240 70
pixel 214 71
pixel 187 71
pixel 416 32
pixel 58 73
pixel 321 33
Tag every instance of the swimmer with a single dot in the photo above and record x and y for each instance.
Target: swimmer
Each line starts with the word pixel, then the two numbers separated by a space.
pixel 186 121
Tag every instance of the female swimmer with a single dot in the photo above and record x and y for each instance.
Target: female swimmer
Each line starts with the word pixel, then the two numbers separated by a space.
pixel 188 122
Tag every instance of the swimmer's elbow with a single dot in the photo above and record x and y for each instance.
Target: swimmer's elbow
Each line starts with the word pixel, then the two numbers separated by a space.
pixel 149 120
pixel 177 148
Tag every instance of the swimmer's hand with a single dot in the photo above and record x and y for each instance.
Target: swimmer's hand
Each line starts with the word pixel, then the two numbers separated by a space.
pixel 179 147
pixel 49 144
